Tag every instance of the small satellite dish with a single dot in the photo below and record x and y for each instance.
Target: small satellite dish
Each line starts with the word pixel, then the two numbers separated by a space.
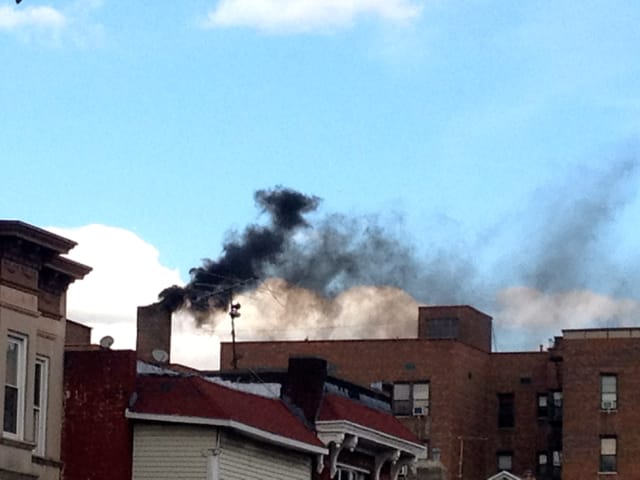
pixel 106 342
pixel 160 356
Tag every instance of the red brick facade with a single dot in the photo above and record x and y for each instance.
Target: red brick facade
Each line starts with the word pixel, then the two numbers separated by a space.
pixel 96 437
pixel 552 422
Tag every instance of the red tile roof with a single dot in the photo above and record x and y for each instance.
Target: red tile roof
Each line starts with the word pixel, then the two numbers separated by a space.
pixel 335 407
pixel 193 396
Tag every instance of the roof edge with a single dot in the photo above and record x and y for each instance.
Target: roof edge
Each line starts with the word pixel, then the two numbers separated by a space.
pixel 248 430
pixel 40 236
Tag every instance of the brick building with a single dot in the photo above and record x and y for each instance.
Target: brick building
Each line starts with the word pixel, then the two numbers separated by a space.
pixel 566 412
pixel 133 414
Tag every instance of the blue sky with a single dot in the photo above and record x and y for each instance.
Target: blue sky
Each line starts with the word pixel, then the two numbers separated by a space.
pixel 471 120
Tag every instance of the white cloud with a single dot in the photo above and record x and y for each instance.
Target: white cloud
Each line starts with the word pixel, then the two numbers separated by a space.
pixel 294 16
pixel 32 17
pixel 530 309
pixel 127 273
pixel 52 26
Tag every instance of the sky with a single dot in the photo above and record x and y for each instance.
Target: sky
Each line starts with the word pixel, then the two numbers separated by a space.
pixel 493 144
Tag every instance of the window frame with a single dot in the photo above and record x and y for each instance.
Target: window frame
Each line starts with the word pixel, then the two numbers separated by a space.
pixel 506 417
pixel 21 343
pixel 40 404
pixel 407 404
pixel 542 463
pixel 542 406
pixel 504 455
pixel 608 395
pixel 605 467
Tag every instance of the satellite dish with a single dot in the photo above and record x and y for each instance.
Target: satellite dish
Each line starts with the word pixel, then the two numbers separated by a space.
pixel 106 342
pixel 160 356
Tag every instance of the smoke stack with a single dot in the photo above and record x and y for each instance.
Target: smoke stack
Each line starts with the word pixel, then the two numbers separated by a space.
pixel 153 342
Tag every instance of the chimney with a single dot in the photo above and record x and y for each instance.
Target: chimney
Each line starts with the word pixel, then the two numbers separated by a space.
pixel 153 342
pixel 305 384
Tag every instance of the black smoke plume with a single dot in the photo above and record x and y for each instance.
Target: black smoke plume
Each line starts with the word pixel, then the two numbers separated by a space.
pixel 244 258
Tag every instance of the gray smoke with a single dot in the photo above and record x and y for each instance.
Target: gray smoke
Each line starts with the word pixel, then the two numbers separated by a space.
pixel 563 245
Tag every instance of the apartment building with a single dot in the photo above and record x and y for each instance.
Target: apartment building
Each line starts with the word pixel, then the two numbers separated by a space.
pixel 562 413
pixel 34 277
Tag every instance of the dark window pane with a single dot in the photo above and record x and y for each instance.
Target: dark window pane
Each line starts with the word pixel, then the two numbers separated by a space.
pixel 608 463
pixel 10 409
pixel 442 328
pixel 506 410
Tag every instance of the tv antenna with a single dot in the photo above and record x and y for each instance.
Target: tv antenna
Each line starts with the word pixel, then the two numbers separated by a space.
pixel 234 312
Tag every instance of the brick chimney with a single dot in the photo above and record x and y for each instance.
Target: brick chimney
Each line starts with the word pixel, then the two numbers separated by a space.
pixel 305 384
pixel 154 332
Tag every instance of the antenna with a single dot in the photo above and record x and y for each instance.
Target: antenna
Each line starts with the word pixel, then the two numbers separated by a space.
pixel 106 341
pixel 234 312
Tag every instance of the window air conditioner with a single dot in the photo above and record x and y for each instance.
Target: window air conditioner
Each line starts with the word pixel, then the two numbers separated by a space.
pixel 419 411
pixel 609 405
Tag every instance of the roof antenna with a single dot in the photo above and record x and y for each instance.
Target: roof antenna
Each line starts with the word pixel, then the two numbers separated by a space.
pixel 234 312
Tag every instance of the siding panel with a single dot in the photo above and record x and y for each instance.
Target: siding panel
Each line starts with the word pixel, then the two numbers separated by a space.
pixel 171 451
pixel 244 459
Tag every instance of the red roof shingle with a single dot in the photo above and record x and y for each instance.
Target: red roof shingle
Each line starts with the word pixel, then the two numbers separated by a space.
pixel 335 407
pixel 193 396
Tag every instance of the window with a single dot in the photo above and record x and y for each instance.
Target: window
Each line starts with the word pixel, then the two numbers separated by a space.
pixel 556 405
pixel 608 453
pixel 14 386
pixel 542 463
pixel 608 392
pixel 411 398
pixel 505 461
pixel 41 382
pixel 506 418
pixel 543 405
pixel 442 328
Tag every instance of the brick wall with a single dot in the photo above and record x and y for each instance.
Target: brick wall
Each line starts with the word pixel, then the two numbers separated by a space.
pixel 96 438
pixel 584 421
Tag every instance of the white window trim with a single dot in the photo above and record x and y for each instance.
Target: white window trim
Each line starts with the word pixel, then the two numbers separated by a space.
pixel 40 430
pixel 21 342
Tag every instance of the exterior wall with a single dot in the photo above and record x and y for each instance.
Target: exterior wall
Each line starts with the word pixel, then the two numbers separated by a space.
pixel 97 439
pixel 456 372
pixel 525 375
pixel 77 334
pixel 33 284
pixel 584 360
pixel 170 451
pixel 167 451
pixel 472 326
pixel 244 459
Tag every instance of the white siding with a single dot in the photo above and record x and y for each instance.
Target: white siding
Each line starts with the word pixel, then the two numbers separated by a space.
pixel 245 459
pixel 164 451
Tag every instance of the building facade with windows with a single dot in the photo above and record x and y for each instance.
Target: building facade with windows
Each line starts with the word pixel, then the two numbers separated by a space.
pixel 34 277
pixel 562 413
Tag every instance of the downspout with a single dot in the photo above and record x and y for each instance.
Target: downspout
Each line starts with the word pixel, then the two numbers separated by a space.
pixel 213 459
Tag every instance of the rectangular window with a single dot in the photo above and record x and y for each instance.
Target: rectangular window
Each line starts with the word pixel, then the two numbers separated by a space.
pixel 556 405
pixel 506 417
pixel 542 464
pixel 40 394
pixel 14 387
pixel 608 453
pixel 543 405
pixel 608 392
pixel 411 398
pixel 505 461
pixel 443 328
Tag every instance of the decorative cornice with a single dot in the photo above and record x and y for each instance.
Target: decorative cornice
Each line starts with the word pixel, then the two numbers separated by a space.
pixel 33 234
